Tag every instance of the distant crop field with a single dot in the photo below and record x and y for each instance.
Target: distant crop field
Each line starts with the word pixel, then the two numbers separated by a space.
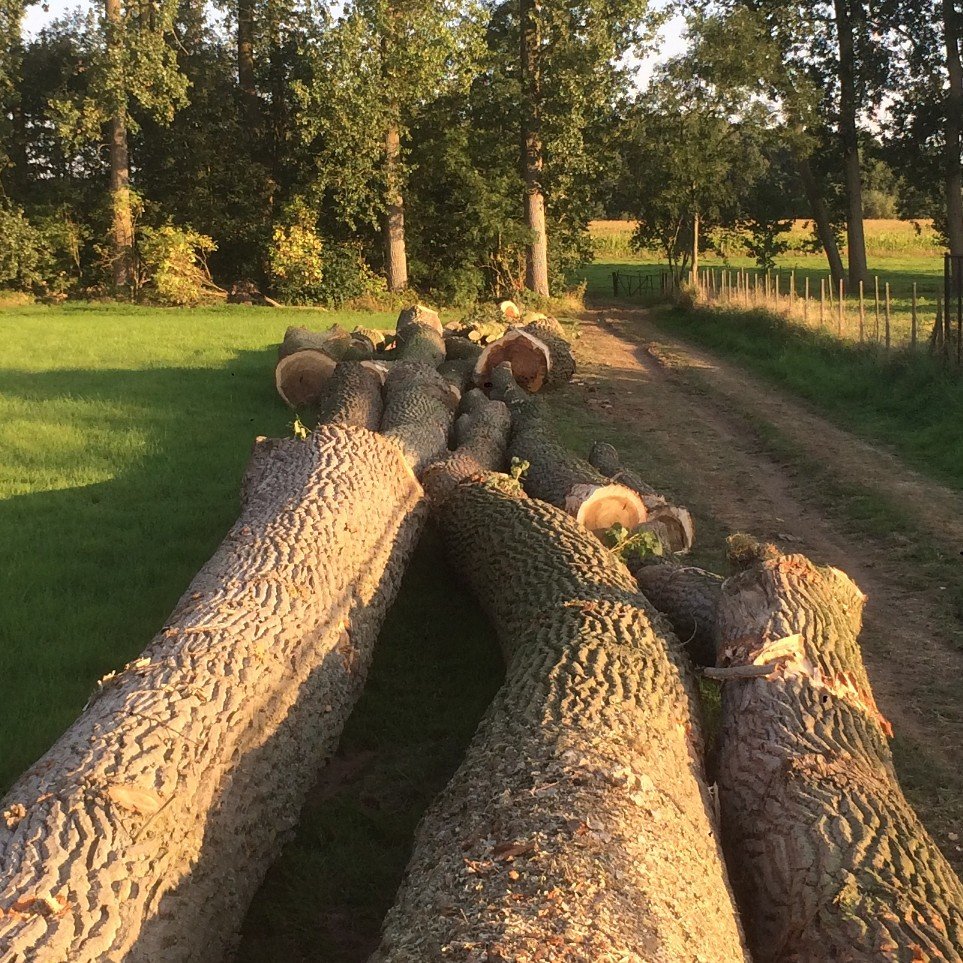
pixel 884 239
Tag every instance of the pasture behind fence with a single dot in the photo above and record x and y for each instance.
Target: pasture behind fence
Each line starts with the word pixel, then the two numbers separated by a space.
pixel 869 314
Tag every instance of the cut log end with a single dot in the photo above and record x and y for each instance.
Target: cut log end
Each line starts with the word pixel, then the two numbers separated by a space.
pixel 301 377
pixel 599 507
pixel 530 359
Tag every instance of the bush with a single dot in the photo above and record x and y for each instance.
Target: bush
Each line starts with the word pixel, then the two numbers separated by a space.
pixel 24 253
pixel 172 266
pixel 307 269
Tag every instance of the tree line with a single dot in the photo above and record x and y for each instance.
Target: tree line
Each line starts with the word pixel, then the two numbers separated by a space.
pixel 460 147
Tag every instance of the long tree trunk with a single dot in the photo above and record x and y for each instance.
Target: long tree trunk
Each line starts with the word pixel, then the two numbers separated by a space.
pixel 829 859
pixel 245 65
pixel 849 139
pixel 820 214
pixel 579 824
pixel 144 832
pixel 122 219
pixel 954 120
pixel 532 159
pixel 396 258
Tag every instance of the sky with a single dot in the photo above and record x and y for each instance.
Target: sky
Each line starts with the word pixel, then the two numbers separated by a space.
pixel 672 39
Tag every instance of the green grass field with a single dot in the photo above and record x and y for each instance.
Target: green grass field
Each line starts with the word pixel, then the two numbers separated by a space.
pixel 123 435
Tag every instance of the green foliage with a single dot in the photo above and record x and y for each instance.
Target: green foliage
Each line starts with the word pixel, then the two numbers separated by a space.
pixel 24 254
pixel 299 429
pixel 173 269
pixel 640 543
pixel 297 257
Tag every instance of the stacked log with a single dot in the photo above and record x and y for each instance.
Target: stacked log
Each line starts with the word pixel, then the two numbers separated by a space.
pixel 144 832
pixel 539 354
pixel 557 476
pixel 579 825
pixel 672 524
pixel 830 860
pixel 688 597
pixel 307 359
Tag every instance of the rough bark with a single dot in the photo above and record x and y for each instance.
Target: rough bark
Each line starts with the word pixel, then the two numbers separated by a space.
pixel 820 215
pixel 396 258
pixel 579 826
pixel 849 141
pixel 828 857
pixel 688 597
pixel 418 341
pixel 532 160
pixel 144 832
pixel 539 354
pixel 353 397
pixel 458 348
pixel 953 175
pixel 419 402
pixel 672 523
pixel 419 314
pixel 458 373
pixel 122 218
pixel 556 475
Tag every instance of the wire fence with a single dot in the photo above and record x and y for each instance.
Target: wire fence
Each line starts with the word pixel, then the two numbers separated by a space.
pixel 864 313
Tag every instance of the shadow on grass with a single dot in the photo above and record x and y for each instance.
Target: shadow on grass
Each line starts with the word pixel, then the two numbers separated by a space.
pixel 436 667
pixel 89 573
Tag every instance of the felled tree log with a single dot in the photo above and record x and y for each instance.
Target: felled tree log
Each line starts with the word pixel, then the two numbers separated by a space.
pixel 458 348
pixel 307 359
pixel 688 597
pixel 481 434
pixel 420 342
pixel 419 407
pixel 144 832
pixel 555 474
pixel 830 860
pixel 539 354
pixel 421 315
pixel 457 373
pixel 579 825
pixel 672 523
pixel 353 396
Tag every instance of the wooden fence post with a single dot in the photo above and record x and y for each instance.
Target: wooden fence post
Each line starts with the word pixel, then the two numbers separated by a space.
pixel 887 317
pixel 913 322
pixel 806 301
pixel 876 332
pixel 822 302
pixel 839 315
pixel 862 312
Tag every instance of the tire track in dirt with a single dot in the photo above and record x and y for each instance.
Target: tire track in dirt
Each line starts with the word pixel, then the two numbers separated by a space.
pixel 706 416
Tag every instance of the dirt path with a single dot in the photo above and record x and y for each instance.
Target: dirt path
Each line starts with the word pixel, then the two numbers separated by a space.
pixel 757 460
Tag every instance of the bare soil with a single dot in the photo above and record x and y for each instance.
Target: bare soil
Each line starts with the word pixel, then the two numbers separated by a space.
pixel 749 458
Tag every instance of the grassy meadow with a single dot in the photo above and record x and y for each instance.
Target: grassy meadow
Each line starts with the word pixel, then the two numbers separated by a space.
pixel 123 435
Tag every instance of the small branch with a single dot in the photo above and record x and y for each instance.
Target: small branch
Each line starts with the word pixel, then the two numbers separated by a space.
pixel 730 672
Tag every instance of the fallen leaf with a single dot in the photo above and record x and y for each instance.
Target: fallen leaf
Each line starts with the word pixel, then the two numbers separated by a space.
pixel 511 850
pixel 138 800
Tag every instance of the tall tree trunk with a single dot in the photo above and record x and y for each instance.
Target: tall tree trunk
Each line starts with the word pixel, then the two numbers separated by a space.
pixel 532 161
pixel 954 120
pixel 849 138
pixel 396 258
pixel 245 62
pixel 820 213
pixel 122 220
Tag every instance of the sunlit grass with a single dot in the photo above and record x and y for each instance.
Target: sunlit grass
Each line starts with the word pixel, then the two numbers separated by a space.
pixel 123 435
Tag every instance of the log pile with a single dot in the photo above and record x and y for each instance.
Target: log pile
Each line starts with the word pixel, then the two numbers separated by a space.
pixel 557 476
pixel 579 825
pixel 539 354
